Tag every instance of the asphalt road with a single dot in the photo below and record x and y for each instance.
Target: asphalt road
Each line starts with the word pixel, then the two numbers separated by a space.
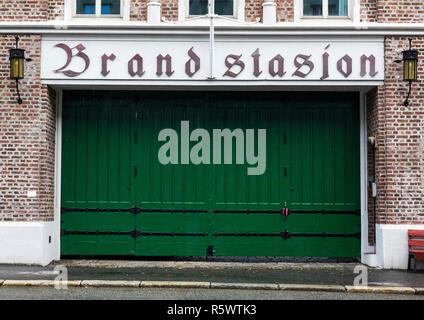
pixel 48 293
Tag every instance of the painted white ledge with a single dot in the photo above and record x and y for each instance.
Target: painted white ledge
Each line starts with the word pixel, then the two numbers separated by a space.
pixel 223 27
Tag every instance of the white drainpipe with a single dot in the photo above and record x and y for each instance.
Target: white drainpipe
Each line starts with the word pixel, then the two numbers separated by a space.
pixel 153 12
pixel 269 12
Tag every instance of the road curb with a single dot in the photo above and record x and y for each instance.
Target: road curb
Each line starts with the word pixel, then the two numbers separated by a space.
pixel 28 283
pixel 312 287
pixel 110 283
pixel 39 283
pixel 419 291
pixel 367 289
pixel 175 284
pixel 246 286
pixel 212 285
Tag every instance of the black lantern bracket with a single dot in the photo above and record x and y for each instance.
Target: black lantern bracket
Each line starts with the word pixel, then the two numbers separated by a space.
pixel 410 62
pixel 17 71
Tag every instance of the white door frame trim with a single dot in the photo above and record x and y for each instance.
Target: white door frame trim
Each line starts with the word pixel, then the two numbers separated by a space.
pixel 58 173
pixel 365 248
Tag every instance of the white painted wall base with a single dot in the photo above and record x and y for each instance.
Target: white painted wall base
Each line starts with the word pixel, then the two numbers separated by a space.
pixel 391 246
pixel 370 259
pixel 28 243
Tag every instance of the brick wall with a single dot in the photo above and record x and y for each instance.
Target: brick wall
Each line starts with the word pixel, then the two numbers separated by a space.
pixel 253 10
pixel 170 10
pixel 371 10
pixel 138 10
pixel 285 10
pixel 399 153
pixel 372 112
pixel 24 10
pixel 368 11
pixel 56 9
pixel 402 141
pixel 26 139
pixel 27 130
pixel 400 11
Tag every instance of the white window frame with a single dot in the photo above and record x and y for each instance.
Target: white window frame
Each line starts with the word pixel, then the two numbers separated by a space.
pixel 235 15
pixel 325 11
pixel 98 10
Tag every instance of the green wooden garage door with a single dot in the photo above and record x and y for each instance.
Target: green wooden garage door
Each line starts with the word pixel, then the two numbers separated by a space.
pixel 119 199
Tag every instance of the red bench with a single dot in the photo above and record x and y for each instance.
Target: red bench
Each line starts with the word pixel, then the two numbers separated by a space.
pixel 416 247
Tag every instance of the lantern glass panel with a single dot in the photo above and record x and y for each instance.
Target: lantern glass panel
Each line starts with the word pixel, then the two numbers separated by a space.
pixel 410 70
pixel 17 68
pixel 414 70
pixel 405 70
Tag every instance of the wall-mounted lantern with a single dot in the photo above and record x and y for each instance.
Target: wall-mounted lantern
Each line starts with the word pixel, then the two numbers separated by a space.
pixel 17 70
pixel 410 63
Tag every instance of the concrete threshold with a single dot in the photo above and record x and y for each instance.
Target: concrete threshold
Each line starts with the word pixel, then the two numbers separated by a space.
pixel 211 265
pixel 211 285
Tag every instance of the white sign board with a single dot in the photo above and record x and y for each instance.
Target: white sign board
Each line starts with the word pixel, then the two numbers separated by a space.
pixel 279 59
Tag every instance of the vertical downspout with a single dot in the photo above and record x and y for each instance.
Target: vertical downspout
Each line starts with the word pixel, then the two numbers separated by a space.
pixel 211 38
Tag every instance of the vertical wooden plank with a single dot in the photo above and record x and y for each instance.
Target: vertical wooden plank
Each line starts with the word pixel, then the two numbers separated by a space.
pixel 253 181
pixel 306 155
pixel 317 158
pixel 114 152
pixel 188 169
pixel 156 121
pixel 352 154
pixel 178 169
pixel 143 149
pixel 295 156
pixel 68 152
pixel 103 153
pixel 241 171
pixel 284 154
pixel 166 185
pixel 329 151
pixel 340 156
pixel 92 157
pixel 81 154
pixel 126 138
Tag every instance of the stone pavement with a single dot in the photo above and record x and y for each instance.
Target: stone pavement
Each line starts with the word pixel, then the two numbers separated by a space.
pixel 309 273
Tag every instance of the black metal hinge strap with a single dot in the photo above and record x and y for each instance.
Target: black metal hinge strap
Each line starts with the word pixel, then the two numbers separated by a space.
pixel 248 211
pixel 63 210
pixel 328 235
pixel 173 234
pixel 133 210
pixel 247 234
pixel 174 210
pixel 133 233
pixel 94 233
pixel 356 212
pixel 286 235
